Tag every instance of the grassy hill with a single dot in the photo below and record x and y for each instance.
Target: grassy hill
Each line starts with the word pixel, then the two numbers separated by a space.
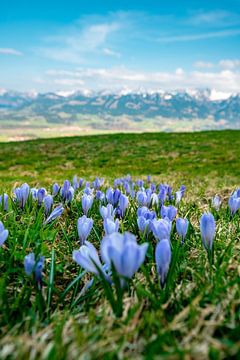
pixel 201 158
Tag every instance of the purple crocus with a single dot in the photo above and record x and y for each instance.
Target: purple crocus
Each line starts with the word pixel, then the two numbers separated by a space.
pixel 84 226
pixel 169 212
pixel 163 259
pixel 4 202
pixel 22 194
pixel 107 211
pixel 87 257
pixel 142 198
pixel 67 191
pixel 182 227
pixel 124 253
pixel 161 228
pixel 143 224
pixel 87 201
pixel 110 226
pixel 207 228
pixel 41 193
pixel 109 196
pixel 100 195
pixel 123 204
pixel 55 189
pixel 75 182
pixel 234 204
pixel 48 203
pixel 30 265
pixel 3 234
pixel 55 214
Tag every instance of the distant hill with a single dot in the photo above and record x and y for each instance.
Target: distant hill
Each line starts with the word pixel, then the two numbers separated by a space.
pixel 56 108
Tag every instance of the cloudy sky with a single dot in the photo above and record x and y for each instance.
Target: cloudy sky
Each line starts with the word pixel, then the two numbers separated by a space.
pixel 74 45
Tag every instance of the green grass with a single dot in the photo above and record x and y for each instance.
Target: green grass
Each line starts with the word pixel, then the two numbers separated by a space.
pixel 195 317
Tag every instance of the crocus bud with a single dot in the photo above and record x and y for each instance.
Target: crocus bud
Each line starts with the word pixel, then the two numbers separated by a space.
pixel 207 228
pixel 161 228
pixel 124 253
pixel 84 226
pixel 182 227
pixel 87 201
pixel 234 204
pixel 123 204
pixel 4 202
pixel 3 234
pixel 55 214
pixel 29 263
pixel 110 226
pixel 163 259
pixel 48 203
pixel 55 189
pixel 87 257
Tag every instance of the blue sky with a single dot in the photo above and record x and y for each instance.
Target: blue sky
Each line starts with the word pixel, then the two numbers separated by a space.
pixel 79 45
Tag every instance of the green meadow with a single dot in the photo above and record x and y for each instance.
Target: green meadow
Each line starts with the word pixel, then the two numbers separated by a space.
pixel 196 316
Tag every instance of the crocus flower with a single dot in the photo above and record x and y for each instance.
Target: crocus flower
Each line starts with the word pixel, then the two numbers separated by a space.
pixel 107 211
pixel 87 201
pixel 87 257
pixel 149 178
pixel 55 189
pixel 84 226
pixel 100 195
pixel 4 202
pixel 34 193
pixel 148 214
pixel 234 204
pixel 124 253
pixel 110 226
pixel 109 196
pixel 123 204
pixel 161 228
pixel 163 259
pixel 55 214
pixel 216 202
pixel 141 198
pixel 81 181
pixel 182 227
pixel 162 194
pixel 38 270
pixel 41 193
pixel 207 228
pixel 3 234
pixel 48 203
pixel 169 212
pixel 22 194
pixel 75 182
pixel 29 263
pixel 143 224
pixel 67 191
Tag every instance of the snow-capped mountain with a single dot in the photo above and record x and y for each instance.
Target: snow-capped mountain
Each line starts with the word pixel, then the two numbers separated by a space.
pixel 187 104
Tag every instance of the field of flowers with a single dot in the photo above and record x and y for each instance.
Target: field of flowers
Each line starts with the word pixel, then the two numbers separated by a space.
pixel 119 268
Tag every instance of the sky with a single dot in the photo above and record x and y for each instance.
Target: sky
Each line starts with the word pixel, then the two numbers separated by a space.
pixel 56 45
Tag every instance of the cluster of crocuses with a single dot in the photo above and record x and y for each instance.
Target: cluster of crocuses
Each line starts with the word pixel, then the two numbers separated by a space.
pixel 155 208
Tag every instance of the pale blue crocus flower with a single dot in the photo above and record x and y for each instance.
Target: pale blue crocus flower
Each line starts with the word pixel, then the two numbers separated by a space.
pixel 163 259
pixel 3 234
pixel 207 228
pixel 84 227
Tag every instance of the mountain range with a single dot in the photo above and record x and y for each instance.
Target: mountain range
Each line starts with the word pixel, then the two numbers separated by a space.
pixel 67 107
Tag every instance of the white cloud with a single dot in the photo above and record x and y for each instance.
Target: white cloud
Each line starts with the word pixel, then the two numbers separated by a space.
pixel 203 65
pixel 81 40
pixel 229 64
pixel 214 18
pixel 110 52
pixel 226 81
pixel 10 51
pixel 200 36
